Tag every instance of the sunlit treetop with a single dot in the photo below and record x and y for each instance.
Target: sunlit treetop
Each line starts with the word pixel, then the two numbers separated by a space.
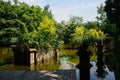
pixel 96 35
pixel 47 25
pixel 79 30
pixel 87 35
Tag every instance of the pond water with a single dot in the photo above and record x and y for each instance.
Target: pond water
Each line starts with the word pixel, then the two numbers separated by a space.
pixel 108 71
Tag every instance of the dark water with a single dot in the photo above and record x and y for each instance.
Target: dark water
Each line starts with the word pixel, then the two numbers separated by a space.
pixel 107 69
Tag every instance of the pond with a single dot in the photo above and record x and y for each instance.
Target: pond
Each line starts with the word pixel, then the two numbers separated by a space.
pixel 68 60
pixel 6 62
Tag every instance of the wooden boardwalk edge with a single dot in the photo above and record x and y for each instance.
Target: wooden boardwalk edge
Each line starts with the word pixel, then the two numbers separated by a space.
pixel 39 75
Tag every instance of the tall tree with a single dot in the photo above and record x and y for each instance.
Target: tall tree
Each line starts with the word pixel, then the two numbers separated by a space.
pixel 91 24
pixel 103 22
pixel 47 12
pixel 112 9
pixel 70 26
pixel 76 20
pixel 15 1
pixel 47 32
pixel 101 17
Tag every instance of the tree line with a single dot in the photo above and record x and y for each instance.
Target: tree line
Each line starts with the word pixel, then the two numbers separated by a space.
pixel 31 26
pixel 26 26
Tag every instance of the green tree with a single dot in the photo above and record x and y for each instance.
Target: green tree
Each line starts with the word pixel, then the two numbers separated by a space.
pixel 88 36
pixel 15 1
pixel 112 9
pixel 47 32
pixel 91 24
pixel 47 12
pixel 70 26
pixel 60 27
pixel 101 17
pixel 26 26
pixel 103 22
pixel 76 20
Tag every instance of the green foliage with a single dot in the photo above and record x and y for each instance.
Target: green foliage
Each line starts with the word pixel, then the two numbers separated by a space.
pixel 112 9
pixel 101 17
pixel 60 27
pixel 64 29
pixel 26 26
pixel 47 12
pixel 104 23
pixel 91 24
pixel 47 36
pixel 96 35
pixel 9 35
pixel 86 35
pixel 78 36
pixel 47 26
pixel 76 20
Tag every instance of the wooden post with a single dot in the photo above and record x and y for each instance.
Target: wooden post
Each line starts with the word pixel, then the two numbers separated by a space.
pixel 25 58
pixel 33 58
pixel 56 53
pixel 84 62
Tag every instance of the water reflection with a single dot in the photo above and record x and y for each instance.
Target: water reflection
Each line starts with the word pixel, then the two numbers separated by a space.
pixel 6 55
pixel 50 64
pixel 113 60
pixel 107 66
pixel 97 69
pixel 101 72
pixel 93 75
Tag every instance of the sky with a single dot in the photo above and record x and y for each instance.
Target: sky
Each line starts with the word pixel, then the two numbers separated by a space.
pixel 62 9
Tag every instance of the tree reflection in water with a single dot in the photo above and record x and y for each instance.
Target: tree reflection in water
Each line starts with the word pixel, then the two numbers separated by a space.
pixel 113 60
pixel 84 65
pixel 101 72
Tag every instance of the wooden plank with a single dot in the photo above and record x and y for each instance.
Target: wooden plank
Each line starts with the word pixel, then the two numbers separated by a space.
pixel 32 50
pixel 69 74
pixel 39 75
pixel 49 75
pixel 29 75
pixel 10 75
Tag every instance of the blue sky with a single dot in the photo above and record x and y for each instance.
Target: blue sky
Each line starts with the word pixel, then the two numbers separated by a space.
pixel 62 9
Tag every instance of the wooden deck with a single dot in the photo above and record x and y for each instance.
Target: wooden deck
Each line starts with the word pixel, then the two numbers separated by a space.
pixel 38 75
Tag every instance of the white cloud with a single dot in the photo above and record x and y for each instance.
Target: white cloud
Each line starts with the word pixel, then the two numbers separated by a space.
pixel 62 9
pixel 87 11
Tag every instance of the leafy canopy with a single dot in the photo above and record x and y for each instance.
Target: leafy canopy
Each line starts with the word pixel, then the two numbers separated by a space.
pixel 47 26
pixel 87 35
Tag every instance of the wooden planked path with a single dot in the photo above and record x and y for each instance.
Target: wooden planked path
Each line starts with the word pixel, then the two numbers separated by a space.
pixel 38 75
